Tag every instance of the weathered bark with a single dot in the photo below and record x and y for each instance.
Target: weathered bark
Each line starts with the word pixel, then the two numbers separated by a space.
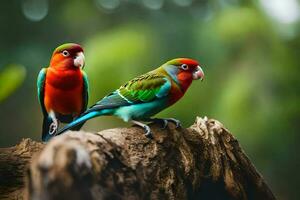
pixel 13 165
pixel 201 162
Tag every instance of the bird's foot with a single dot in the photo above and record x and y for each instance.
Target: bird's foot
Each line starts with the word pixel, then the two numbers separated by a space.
pixel 166 120
pixel 147 129
pixel 148 132
pixel 175 121
pixel 53 127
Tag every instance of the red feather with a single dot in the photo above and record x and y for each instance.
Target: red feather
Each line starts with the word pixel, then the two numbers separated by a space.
pixel 189 62
pixel 63 91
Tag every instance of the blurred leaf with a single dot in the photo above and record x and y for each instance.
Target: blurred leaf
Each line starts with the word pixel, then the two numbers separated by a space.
pixel 11 79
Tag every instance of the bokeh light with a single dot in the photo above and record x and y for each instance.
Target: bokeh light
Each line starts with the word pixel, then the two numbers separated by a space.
pixel 35 10
pixel 183 2
pixel 153 4
pixel 287 11
pixel 108 4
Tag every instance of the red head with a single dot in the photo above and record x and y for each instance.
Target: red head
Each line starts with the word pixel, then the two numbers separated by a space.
pixel 184 71
pixel 68 56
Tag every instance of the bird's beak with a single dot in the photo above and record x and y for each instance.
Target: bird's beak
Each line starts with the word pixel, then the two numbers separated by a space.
pixel 79 60
pixel 198 74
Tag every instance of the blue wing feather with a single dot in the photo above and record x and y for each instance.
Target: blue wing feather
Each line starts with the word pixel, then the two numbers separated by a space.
pixel 40 88
pixel 164 89
pixel 85 91
pixel 41 93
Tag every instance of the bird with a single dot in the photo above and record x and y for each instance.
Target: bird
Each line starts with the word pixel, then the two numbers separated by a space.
pixel 62 88
pixel 144 96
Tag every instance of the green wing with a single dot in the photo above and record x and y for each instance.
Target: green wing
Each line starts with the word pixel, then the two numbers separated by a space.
pixel 40 89
pixel 85 91
pixel 145 88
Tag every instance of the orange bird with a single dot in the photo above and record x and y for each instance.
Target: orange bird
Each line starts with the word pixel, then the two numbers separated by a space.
pixel 62 88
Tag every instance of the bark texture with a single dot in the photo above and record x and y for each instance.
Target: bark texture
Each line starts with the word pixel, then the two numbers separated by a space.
pixel 13 165
pixel 203 161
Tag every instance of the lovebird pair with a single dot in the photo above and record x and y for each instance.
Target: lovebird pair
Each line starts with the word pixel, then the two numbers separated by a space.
pixel 63 93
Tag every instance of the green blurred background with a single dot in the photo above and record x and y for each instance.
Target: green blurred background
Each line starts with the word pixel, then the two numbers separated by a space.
pixel 249 50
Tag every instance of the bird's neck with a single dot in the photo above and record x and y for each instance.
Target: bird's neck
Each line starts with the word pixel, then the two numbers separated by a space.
pixel 64 79
pixel 183 81
pixel 170 71
pixel 62 67
pixel 63 64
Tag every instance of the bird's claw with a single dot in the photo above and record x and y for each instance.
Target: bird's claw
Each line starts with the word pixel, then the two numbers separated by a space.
pixel 165 122
pixel 146 128
pixel 176 122
pixel 148 132
pixel 53 128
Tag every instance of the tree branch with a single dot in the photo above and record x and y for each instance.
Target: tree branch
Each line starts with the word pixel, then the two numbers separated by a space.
pixel 201 162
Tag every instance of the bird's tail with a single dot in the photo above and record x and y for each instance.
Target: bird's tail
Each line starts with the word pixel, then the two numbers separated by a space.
pixel 48 128
pixel 79 121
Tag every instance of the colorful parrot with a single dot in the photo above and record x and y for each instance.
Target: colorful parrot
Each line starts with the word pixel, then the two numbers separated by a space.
pixel 62 88
pixel 142 97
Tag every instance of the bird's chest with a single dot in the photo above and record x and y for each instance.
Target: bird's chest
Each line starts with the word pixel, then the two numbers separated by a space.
pixel 64 80
pixel 63 92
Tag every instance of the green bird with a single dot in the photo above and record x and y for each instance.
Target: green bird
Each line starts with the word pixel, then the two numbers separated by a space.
pixel 146 95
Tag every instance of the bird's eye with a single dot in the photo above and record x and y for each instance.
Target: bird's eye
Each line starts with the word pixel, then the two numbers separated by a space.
pixel 184 67
pixel 65 53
